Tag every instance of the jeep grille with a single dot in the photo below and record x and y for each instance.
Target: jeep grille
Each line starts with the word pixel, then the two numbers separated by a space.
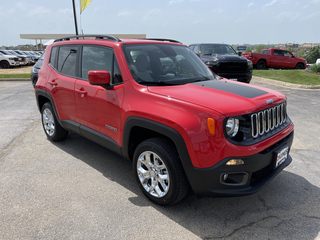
pixel 267 120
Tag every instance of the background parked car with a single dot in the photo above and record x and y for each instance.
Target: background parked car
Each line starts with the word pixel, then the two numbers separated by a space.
pixel 223 60
pixel 7 61
pixel 24 60
pixel 276 58
pixel 35 69
pixel 22 54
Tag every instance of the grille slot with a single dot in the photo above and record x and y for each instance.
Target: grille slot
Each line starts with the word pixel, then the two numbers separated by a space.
pixel 267 120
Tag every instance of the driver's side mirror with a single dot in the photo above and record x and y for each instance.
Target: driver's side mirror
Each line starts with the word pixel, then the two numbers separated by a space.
pixel 100 77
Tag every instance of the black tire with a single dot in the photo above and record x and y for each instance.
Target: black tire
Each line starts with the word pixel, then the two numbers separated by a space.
pixel 261 64
pixel 159 172
pixel 50 124
pixel 299 66
pixel 4 64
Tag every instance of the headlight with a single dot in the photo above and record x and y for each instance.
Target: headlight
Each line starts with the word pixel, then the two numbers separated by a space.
pixel 250 64
pixel 232 126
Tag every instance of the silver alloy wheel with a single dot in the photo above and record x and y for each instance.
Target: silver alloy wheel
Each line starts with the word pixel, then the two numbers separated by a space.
pixel 153 174
pixel 48 122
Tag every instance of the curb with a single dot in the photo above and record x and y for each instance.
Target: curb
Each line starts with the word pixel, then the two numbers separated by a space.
pixel 284 84
pixel 15 79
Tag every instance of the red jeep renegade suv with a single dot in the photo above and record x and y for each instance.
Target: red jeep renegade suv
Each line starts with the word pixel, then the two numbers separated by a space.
pixel 157 104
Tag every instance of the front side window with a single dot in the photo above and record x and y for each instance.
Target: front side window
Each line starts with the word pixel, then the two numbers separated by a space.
pixel 100 58
pixel 67 60
pixel 165 64
pixel 266 52
pixel 287 54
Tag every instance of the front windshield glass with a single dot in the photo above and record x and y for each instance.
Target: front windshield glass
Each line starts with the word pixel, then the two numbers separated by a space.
pixel 165 64
pixel 7 52
pixel 209 49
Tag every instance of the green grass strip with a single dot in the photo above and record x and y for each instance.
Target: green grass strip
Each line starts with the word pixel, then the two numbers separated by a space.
pixel 291 76
pixel 19 75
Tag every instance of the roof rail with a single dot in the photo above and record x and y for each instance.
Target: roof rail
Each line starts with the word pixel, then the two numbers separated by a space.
pixel 164 40
pixel 102 37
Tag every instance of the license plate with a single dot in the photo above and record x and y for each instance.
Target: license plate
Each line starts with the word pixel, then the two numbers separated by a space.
pixel 282 155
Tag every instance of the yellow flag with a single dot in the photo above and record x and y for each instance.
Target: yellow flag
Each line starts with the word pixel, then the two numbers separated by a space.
pixel 84 4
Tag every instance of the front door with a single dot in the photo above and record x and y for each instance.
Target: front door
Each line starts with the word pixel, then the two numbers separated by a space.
pixel 99 109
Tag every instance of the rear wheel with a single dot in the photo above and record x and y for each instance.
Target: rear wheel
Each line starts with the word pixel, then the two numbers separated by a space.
pixel 261 64
pixel 159 172
pixel 51 126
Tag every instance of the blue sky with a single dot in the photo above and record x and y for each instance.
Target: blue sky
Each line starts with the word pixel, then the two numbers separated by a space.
pixel 189 21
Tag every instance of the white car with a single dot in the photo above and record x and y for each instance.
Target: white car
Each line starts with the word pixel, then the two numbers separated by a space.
pixel 7 61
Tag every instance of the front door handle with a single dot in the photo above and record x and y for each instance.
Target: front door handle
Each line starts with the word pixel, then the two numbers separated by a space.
pixel 81 91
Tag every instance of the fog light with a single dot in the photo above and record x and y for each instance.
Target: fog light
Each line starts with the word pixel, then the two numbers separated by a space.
pixel 235 162
pixel 234 179
pixel 225 177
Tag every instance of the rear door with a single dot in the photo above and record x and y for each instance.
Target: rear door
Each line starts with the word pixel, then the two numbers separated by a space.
pixel 99 109
pixel 63 62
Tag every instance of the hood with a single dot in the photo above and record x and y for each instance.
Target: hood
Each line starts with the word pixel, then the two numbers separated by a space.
pixel 224 96
pixel 300 59
pixel 223 58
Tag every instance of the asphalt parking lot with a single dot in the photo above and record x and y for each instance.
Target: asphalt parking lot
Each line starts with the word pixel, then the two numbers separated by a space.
pixel 76 189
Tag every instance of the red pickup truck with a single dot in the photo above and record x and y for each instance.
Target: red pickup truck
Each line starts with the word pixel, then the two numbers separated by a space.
pixel 277 58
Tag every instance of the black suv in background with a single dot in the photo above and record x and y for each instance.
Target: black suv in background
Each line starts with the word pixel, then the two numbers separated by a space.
pixel 223 60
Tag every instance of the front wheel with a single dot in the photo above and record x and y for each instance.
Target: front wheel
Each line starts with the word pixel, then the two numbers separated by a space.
pixel 50 124
pixel 299 66
pixel 4 64
pixel 159 172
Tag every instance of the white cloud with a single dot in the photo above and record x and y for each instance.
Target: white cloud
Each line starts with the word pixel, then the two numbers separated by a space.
pixel 125 13
pixel 250 4
pixel 288 16
pixel 151 14
pixel 65 11
pixel 35 12
pixel 175 2
pixel 271 3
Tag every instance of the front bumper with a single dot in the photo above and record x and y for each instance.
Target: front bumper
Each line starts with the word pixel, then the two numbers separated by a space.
pixel 244 179
pixel 14 63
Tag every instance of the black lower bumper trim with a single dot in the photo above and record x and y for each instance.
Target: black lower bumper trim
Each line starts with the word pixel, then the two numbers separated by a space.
pixel 245 179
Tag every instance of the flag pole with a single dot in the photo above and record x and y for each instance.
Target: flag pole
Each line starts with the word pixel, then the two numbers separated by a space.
pixel 75 17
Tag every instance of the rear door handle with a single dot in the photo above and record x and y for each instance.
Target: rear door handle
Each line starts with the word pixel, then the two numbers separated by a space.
pixel 53 82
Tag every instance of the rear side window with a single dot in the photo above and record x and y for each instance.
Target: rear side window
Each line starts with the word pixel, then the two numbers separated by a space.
pixel 53 56
pixel 67 60
pixel 266 52
pixel 278 52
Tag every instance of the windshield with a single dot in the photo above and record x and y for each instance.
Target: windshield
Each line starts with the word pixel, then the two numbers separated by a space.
pixel 165 64
pixel 6 52
pixel 208 49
